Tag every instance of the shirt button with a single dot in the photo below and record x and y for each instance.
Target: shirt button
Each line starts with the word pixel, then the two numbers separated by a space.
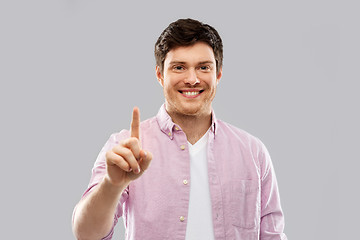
pixel 182 218
pixel 169 133
pixel 185 182
pixel 182 147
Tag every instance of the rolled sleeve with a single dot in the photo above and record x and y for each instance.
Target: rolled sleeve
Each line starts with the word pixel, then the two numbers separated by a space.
pixel 99 171
pixel 117 214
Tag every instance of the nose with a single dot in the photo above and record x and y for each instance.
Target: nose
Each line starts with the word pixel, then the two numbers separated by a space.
pixel 191 77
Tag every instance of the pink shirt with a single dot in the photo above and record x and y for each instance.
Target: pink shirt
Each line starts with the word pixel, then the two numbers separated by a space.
pixel 244 194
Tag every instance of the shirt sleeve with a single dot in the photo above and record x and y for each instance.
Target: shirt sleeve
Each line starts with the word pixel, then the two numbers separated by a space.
pixel 272 218
pixel 99 171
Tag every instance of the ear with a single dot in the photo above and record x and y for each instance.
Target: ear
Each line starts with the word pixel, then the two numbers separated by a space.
pixel 159 76
pixel 219 75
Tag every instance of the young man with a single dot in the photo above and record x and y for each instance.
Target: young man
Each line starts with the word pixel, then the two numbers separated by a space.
pixel 207 179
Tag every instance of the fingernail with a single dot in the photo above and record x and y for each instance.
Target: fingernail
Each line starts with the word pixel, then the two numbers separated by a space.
pixel 145 154
pixel 138 169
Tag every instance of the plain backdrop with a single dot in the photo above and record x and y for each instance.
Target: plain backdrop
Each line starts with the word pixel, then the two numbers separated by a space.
pixel 72 70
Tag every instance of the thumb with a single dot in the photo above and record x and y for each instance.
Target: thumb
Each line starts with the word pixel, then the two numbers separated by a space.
pixel 146 158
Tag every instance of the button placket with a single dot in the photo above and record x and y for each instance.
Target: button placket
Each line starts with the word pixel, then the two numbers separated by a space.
pixel 181 142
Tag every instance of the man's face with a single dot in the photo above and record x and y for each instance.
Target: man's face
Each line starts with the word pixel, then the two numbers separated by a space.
pixel 189 79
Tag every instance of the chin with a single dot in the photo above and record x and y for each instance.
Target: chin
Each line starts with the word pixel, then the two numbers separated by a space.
pixel 191 111
pixel 187 109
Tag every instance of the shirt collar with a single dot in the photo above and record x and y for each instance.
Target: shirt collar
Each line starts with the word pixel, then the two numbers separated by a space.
pixel 167 126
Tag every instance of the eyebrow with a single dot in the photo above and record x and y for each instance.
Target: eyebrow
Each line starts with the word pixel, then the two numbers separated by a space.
pixel 176 62
pixel 180 62
pixel 206 62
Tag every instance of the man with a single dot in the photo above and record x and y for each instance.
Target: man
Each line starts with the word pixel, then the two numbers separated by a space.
pixel 207 179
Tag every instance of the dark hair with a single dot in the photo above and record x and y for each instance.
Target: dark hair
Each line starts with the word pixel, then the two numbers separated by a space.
pixel 186 32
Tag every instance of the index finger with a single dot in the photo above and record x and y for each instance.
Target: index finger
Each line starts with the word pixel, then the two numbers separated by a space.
pixel 135 123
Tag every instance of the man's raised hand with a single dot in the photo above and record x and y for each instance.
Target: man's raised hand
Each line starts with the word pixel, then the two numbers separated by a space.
pixel 127 160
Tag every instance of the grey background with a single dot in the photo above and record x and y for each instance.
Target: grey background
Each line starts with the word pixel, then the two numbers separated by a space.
pixel 71 71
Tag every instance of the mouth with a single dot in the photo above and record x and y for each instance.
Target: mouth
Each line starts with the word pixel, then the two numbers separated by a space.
pixel 191 93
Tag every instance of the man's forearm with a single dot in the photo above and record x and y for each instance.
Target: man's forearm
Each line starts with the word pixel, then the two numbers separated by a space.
pixel 94 214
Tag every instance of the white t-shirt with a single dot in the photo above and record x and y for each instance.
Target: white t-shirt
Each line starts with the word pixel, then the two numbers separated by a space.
pixel 200 224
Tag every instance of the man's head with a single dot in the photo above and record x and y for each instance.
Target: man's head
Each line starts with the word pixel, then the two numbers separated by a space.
pixel 186 32
pixel 189 67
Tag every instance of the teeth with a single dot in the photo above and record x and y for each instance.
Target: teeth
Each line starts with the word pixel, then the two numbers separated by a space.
pixel 191 93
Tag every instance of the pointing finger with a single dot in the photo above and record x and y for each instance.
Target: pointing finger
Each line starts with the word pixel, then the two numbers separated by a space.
pixel 135 123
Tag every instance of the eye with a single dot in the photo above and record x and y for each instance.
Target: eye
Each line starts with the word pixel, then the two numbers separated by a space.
pixel 178 68
pixel 205 68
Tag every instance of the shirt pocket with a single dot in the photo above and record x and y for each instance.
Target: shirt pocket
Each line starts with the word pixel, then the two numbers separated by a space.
pixel 245 203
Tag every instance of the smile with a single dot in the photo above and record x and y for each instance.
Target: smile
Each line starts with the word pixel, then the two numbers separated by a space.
pixel 191 94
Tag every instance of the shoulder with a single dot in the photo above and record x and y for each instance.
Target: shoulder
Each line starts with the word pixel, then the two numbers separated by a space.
pixel 147 125
pixel 232 133
pixel 245 141
pixel 230 130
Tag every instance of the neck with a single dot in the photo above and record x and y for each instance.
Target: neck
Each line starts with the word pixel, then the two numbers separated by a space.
pixel 194 126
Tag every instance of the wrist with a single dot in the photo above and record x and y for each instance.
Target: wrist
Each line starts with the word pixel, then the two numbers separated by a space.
pixel 118 187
